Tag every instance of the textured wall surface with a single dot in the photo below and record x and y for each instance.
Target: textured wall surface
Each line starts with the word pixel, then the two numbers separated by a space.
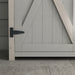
pixel 3 24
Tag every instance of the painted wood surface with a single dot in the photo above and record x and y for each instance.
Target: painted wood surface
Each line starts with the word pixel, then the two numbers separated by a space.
pixel 45 54
pixel 26 46
pixel 65 18
pixel 44 25
pixel 74 21
pixel 11 24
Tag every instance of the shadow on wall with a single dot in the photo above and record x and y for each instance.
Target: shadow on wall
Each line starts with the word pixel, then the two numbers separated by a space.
pixel 4 55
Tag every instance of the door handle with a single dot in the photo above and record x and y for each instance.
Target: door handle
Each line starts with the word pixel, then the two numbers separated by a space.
pixel 15 32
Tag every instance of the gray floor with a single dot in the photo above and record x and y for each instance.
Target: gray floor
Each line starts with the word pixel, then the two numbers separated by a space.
pixel 36 66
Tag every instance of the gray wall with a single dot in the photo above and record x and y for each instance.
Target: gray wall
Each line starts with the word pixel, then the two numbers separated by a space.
pixel 3 24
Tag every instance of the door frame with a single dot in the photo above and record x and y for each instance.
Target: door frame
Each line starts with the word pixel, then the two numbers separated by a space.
pixel 11 24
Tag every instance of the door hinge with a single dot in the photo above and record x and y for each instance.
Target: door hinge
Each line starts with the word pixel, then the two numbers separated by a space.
pixel 15 32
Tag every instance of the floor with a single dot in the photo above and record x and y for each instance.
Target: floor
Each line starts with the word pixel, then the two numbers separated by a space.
pixel 36 66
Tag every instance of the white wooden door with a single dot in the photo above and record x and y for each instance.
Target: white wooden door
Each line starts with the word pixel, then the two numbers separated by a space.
pixel 43 27
pixel 44 30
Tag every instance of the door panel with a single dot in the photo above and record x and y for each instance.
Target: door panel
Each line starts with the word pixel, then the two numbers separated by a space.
pixel 42 25
pixel 57 27
pixel 45 47
pixel 37 26
pixel 47 21
pixel 68 4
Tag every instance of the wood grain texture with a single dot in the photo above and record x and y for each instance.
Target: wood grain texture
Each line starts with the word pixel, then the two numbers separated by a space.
pixel 37 25
pixel 30 16
pixel 11 24
pixel 57 27
pixel 44 32
pixel 47 27
pixel 63 14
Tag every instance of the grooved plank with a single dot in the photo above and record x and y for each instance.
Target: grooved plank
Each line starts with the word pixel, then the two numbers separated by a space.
pixel 68 4
pixel 37 26
pixel 30 16
pixel 64 16
pixel 3 27
pixel 3 0
pixel 47 21
pixel 3 11
pixel 57 27
pixel 4 43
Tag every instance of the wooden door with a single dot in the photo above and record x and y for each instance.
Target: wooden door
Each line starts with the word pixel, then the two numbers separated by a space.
pixel 43 27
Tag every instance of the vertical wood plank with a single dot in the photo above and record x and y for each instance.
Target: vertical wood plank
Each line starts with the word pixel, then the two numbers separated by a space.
pixel 68 4
pixel 26 5
pixel 11 24
pixel 74 21
pixel 65 37
pixel 47 21
pixel 27 22
pixel 37 25
pixel 57 27
pixel 21 11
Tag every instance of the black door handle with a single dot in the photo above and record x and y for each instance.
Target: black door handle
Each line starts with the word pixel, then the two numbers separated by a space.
pixel 15 32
